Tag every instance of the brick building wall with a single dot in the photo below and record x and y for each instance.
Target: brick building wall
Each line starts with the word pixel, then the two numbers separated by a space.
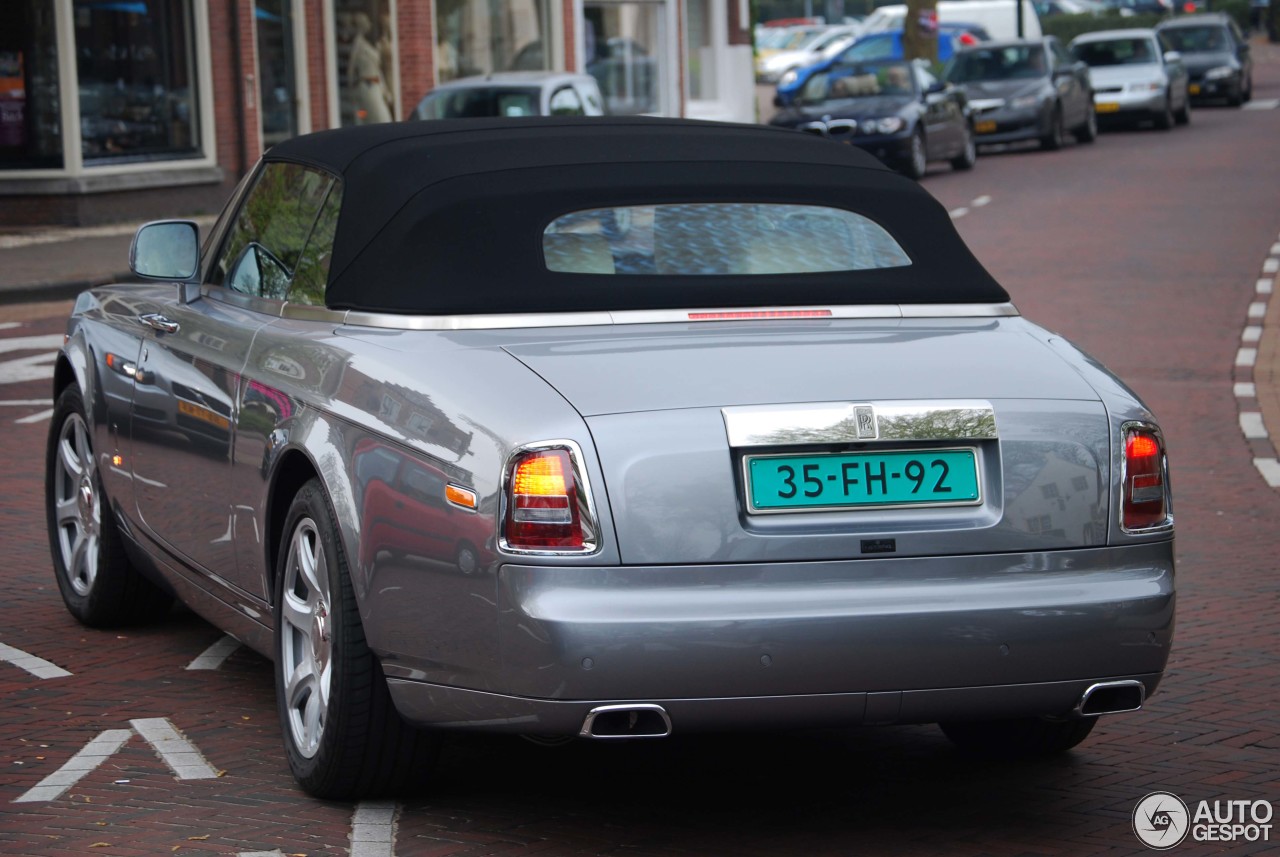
pixel 317 80
pixel 416 43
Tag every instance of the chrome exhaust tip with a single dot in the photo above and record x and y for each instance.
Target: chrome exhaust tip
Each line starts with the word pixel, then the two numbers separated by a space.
pixel 637 720
pixel 1111 697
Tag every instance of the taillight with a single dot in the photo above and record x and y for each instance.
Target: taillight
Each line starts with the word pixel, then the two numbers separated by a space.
pixel 1144 500
pixel 547 503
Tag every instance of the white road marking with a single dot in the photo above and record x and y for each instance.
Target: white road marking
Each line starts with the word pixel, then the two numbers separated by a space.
pixel 1257 310
pixel 1246 390
pixel 34 418
pixel 9 325
pixel 1264 286
pixel 31 343
pixel 957 213
pixel 1270 470
pixel 981 201
pixel 1252 333
pixel 54 236
pixel 1246 356
pixel 213 656
pixel 25 403
pixel 1252 426
pixel 1271 266
pixel 36 367
pixel 177 752
pixel 1262 104
pixel 38 667
pixel 373 829
pixel 276 853
pixel 1275 249
pixel 93 754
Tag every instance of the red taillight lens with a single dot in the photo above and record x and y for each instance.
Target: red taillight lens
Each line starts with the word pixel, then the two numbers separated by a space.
pixel 1144 501
pixel 542 507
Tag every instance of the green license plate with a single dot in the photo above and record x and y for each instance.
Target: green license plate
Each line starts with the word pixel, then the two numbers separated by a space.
pixel 809 483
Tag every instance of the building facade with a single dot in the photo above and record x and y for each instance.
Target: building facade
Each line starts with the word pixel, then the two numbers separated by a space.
pixel 129 109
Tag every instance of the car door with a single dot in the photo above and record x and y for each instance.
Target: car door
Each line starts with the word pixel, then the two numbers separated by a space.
pixel 194 354
pixel 943 117
pixel 1071 79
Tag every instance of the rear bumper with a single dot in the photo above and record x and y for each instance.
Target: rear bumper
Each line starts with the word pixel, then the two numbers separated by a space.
pixel 884 640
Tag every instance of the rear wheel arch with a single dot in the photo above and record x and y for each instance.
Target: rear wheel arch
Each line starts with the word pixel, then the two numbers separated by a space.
pixel 64 375
pixel 294 470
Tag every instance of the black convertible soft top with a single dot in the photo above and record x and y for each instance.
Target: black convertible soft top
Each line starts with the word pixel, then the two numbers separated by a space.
pixel 447 217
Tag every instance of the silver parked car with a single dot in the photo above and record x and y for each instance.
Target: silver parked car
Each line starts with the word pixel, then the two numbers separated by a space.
pixel 607 428
pixel 513 93
pixel 1136 76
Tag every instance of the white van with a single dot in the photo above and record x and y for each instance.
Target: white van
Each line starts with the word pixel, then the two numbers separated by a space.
pixel 998 17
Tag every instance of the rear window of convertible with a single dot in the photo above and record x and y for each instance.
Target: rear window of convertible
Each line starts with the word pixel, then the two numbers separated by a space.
pixel 717 239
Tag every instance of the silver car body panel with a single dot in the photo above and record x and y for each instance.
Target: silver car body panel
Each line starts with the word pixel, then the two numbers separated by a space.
pixel 684 578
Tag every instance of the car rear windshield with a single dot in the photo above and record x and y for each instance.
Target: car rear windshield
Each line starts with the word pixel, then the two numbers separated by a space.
pixel 715 239
pixel 1116 52
pixel 1011 62
pixel 479 102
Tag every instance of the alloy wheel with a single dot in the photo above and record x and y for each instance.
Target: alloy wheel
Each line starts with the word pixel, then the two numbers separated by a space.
pixel 77 505
pixel 306 638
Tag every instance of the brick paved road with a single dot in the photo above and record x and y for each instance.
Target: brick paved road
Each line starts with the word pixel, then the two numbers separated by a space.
pixel 1145 248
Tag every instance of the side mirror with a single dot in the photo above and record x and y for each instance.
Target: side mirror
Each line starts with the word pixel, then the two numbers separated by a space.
pixel 166 250
pixel 936 87
pixel 1171 57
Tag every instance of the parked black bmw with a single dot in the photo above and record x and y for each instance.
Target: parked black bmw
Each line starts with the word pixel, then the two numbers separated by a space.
pixel 897 111
pixel 1026 90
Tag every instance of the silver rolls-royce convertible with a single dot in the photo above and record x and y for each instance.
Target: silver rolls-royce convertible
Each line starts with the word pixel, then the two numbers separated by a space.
pixel 607 428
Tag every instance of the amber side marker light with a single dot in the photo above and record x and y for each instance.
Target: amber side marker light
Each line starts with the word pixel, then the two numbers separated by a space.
pixel 542 508
pixel 459 496
pixel 1144 503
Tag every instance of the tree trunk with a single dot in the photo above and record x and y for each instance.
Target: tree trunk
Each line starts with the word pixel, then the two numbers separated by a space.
pixel 918 42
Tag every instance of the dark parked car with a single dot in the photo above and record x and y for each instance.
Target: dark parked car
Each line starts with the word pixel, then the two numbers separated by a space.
pixel 611 428
pixel 1026 90
pixel 1216 55
pixel 898 111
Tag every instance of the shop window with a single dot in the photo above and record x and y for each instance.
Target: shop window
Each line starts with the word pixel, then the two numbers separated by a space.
pixel 29 110
pixel 476 37
pixel 278 93
pixel 625 53
pixel 137 81
pixel 366 57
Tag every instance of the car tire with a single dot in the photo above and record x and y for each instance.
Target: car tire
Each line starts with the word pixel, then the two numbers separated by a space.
pixel 1236 96
pixel 1088 132
pixel 97 582
pixel 917 157
pixel 342 734
pixel 1053 138
pixel 1030 736
pixel 1164 119
pixel 968 153
pixel 1246 94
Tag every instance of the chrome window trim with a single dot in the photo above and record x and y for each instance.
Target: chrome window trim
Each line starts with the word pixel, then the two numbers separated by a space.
pixel 847 422
pixel 591 540
pixel 1167 525
pixel 397 321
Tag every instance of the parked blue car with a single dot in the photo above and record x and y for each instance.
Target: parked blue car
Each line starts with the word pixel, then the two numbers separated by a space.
pixel 885 45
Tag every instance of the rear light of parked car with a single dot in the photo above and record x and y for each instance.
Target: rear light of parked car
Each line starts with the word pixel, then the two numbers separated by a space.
pixel 1145 496
pixel 547 503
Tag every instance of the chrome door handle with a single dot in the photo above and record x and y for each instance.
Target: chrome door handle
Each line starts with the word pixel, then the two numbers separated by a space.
pixel 157 321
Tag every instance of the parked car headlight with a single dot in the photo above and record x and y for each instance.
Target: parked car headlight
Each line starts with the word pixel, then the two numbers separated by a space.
pixel 890 125
pixel 1024 102
pixel 1220 73
pixel 789 78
